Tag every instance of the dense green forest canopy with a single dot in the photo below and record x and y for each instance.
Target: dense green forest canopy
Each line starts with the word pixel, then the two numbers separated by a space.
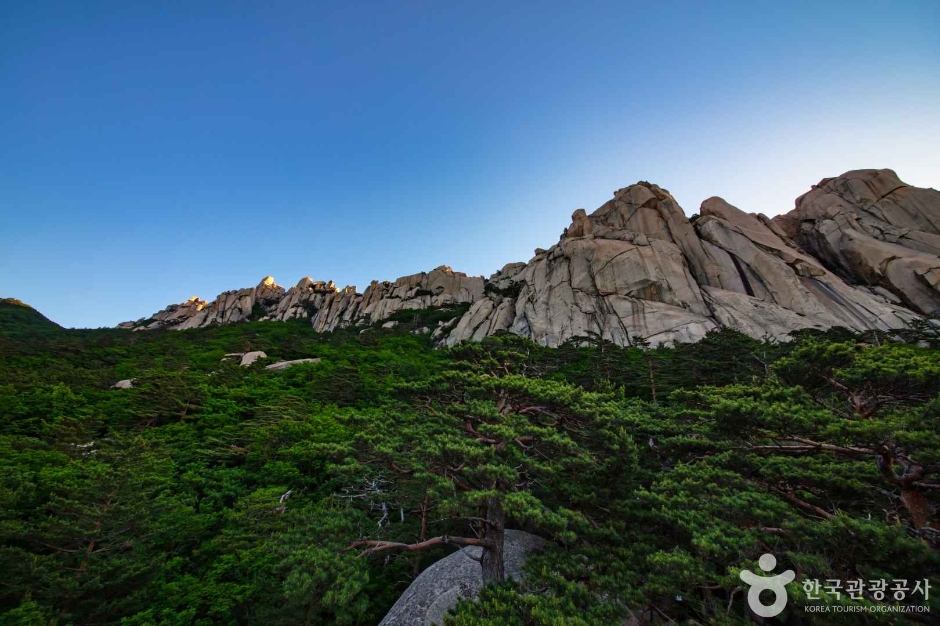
pixel 211 493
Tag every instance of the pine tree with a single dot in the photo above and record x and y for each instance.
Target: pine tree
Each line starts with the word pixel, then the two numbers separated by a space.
pixel 479 446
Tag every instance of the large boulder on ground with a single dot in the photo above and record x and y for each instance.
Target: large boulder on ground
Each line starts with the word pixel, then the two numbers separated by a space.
pixel 283 365
pixel 250 357
pixel 457 576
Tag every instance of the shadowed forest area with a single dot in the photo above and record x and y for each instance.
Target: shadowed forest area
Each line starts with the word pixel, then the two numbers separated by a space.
pixel 211 493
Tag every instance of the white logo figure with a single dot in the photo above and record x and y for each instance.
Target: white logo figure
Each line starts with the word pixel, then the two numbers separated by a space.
pixel 774 583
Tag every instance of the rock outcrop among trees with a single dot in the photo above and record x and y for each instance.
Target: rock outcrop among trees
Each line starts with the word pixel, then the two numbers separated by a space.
pixel 456 577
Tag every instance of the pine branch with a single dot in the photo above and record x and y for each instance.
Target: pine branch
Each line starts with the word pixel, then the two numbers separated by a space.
pixel 383 546
pixel 806 506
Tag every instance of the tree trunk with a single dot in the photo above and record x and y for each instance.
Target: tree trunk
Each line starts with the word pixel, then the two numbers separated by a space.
pixel 425 505
pixel 916 503
pixel 652 378
pixel 492 561
pixel 917 506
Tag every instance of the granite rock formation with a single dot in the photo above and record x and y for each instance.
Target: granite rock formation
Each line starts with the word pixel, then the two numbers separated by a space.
pixel 440 586
pixel 638 268
pixel 327 306
pixel 283 365
pixel 859 251
pixel 874 230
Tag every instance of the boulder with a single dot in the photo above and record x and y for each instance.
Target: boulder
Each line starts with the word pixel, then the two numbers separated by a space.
pixel 438 588
pixel 250 357
pixel 283 365
pixel 443 328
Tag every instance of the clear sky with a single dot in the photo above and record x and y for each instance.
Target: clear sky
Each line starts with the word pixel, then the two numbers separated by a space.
pixel 153 151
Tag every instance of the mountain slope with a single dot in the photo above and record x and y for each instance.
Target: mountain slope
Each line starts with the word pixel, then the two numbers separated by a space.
pixel 18 318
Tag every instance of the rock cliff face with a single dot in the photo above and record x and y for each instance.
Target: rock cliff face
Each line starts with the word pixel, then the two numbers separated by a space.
pixel 859 251
pixel 872 229
pixel 637 268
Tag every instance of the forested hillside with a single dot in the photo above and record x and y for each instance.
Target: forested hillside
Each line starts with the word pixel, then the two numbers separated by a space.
pixel 210 493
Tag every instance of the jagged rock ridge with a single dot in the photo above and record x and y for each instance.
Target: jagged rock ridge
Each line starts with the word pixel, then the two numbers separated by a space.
pixel 327 306
pixel 859 251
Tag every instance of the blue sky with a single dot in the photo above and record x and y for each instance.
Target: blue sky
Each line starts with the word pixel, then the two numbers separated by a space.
pixel 150 153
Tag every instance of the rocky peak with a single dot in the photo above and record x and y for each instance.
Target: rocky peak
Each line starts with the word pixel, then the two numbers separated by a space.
pixel 871 229
pixel 640 208
pixel 327 306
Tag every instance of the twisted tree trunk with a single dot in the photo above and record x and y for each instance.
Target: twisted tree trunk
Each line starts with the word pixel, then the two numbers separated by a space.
pixel 494 569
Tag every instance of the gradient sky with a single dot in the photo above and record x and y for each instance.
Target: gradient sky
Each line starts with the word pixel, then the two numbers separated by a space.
pixel 152 153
